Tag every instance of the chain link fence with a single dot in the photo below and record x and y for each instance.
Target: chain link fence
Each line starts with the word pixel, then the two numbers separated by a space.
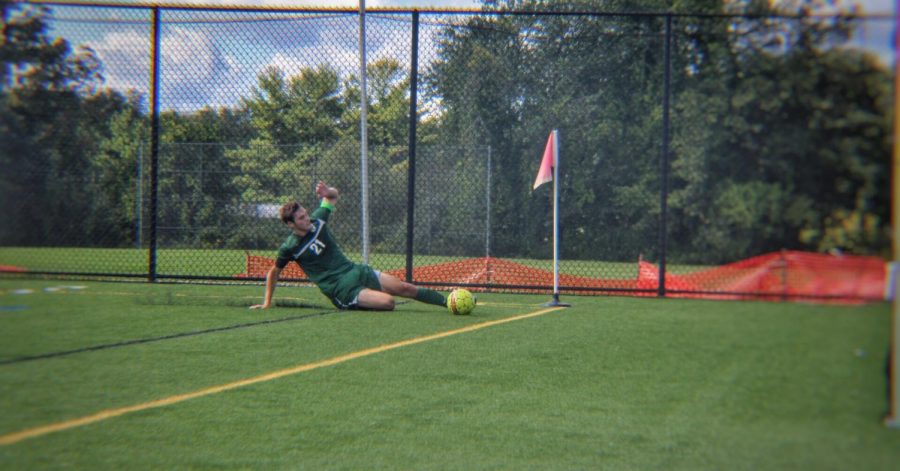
pixel 690 143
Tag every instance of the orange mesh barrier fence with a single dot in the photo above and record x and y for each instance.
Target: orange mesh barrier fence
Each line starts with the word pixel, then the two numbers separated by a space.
pixel 258 267
pixel 495 271
pixel 787 274
pixel 782 275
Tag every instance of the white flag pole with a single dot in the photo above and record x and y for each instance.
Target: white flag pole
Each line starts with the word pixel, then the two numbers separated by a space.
pixel 555 301
pixel 363 133
pixel 556 214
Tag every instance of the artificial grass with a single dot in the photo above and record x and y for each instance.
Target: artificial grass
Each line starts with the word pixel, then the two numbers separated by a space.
pixel 611 383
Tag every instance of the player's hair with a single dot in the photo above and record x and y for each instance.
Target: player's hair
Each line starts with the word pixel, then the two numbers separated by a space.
pixel 288 210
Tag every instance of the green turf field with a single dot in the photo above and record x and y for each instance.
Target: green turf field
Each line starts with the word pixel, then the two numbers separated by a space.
pixel 611 383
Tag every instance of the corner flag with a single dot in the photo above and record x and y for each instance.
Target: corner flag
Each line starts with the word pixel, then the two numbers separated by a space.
pixel 548 162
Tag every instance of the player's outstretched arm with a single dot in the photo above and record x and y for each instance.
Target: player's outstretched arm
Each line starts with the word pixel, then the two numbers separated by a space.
pixel 271 282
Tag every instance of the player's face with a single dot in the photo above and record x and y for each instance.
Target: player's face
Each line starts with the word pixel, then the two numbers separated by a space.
pixel 301 220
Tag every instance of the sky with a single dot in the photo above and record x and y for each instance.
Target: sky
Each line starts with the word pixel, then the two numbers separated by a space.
pixel 215 59
pixel 868 6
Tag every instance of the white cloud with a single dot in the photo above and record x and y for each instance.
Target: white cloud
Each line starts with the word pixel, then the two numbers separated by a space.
pixel 217 63
pixel 287 63
pixel 192 70
pixel 191 52
pixel 868 6
pixel 877 34
pixel 125 59
pixel 423 4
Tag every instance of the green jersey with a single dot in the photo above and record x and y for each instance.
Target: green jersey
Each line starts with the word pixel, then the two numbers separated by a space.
pixel 317 253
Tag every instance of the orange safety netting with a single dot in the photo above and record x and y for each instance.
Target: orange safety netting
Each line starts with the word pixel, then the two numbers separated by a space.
pixel 258 267
pixel 780 275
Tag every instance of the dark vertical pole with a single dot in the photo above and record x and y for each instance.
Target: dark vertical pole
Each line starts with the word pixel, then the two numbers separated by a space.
pixel 664 158
pixel 154 140
pixel 413 120
pixel 892 419
pixel 783 264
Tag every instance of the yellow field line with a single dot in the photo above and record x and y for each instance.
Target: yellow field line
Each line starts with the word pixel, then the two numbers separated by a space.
pixel 16 437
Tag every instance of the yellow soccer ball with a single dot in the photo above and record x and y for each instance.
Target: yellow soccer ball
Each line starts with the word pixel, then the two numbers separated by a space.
pixel 461 302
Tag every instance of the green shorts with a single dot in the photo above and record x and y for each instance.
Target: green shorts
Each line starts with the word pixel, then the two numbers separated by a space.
pixel 344 293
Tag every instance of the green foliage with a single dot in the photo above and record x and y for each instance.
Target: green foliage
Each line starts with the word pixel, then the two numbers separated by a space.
pixel 304 108
pixel 780 138
pixel 54 123
pixel 804 129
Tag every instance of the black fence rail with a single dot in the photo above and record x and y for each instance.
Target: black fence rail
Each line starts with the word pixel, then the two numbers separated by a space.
pixel 159 142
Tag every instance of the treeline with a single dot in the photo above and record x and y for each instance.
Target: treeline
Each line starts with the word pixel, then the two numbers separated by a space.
pixel 778 138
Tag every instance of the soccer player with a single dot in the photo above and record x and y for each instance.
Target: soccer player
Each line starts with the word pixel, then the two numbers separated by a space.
pixel 348 285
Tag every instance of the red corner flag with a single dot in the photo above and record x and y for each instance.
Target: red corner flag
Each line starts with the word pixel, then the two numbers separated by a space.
pixel 545 173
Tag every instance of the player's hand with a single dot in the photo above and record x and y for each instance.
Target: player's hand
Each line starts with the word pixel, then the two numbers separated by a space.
pixel 325 191
pixel 259 306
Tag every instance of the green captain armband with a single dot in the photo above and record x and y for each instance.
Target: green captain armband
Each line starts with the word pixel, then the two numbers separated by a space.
pixel 326 204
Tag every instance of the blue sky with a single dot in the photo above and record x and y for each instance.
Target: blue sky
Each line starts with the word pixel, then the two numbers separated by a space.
pixel 214 59
pixel 870 6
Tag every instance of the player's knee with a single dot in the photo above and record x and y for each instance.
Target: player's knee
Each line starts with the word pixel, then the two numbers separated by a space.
pixel 384 302
pixel 376 300
pixel 388 304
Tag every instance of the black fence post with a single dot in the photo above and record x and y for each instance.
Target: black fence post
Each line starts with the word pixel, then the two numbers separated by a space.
pixel 154 141
pixel 664 158
pixel 413 120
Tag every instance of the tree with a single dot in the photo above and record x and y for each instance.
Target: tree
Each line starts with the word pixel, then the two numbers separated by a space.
pixel 307 128
pixel 779 137
pixel 387 125
pixel 117 171
pixel 45 150
pixel 303 108
pixel 780 142
pixel 507 81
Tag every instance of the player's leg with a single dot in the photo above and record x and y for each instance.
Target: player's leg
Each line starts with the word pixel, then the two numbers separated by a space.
pixel 358 288
pixel 392 285
pixel 378 300
pixel 371 293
